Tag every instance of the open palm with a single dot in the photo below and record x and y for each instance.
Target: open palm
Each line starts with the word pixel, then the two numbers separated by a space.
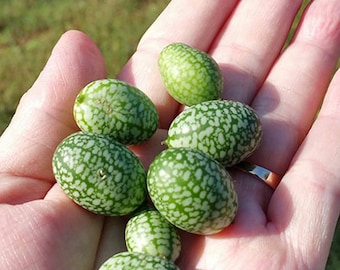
pixel 290 227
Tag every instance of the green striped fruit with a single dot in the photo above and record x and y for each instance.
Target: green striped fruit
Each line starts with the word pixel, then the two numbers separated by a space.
pixel 150 233
pixel 192 190
pixel 191 76
pixel 115 108
pixel 229 131
pixel 100 174
pixel 134 260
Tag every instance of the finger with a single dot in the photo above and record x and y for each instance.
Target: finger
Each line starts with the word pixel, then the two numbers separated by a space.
pixel 112 239
pixel 194 22
pixel 44 115
pixel 31 232
pixel 253 197
pixel 250 42
pixel 307 202
pixel 294 89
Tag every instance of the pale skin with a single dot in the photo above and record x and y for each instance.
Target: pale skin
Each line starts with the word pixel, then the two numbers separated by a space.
pixel 289 228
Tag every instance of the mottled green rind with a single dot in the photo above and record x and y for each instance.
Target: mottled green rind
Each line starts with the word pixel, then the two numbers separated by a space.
pixel 150 233
pixel 115 108
pixel 100 174
pixel 190 76
pixel 140 261
pixel 227 130
pixel 192 190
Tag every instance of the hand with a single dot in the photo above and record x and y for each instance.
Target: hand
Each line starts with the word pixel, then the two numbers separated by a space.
pixel 290 227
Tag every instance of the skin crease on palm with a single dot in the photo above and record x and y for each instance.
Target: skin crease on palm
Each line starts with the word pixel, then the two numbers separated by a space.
pixel 289 228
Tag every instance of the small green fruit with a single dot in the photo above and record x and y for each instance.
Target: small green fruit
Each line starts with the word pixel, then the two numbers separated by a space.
pixel 192 190
pixel 150 233
pixel 135 260
pixel 229 131
pixel 190 76
pixel 115 108
pixel 100 174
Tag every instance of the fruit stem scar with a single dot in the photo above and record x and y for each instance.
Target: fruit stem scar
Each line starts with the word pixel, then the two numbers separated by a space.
pixel 101 174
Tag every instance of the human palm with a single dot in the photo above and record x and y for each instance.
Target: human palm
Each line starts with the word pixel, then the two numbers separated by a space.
pixel 288 227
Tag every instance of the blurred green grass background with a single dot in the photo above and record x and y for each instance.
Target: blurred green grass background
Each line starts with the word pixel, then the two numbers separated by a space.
pixel 29 29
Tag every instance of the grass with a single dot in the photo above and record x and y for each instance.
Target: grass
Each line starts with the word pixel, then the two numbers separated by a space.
pixel 29 29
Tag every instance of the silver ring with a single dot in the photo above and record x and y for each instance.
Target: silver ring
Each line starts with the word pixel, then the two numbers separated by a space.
pixel 255 170
pixel 270 178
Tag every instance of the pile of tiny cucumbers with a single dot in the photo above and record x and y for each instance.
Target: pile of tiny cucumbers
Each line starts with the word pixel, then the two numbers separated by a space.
pixel 187 186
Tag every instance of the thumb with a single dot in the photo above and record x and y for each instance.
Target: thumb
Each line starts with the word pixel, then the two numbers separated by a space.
pixel 44 115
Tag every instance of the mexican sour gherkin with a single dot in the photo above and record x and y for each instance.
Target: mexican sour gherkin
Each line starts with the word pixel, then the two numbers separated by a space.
pixel 229 131
pixel 135 260
pixel 150 233
pixel 117 109
pixel 100 174
pixel 190 76
pixel 192 190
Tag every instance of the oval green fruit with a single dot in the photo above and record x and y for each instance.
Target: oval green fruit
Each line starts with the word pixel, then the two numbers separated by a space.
pixel 192 190
pixel 191 76
pixel 150 233
pixel 135 260
pixel 100 174
pixel 115 108
pixel 229 131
